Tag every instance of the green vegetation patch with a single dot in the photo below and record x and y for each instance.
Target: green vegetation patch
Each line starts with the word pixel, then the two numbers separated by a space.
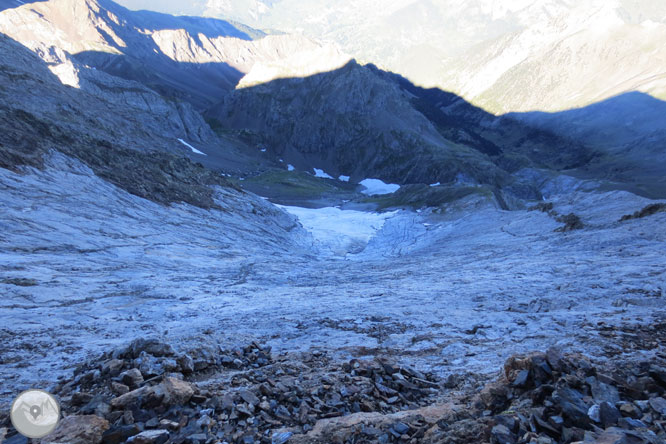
pixel 294 184
pixel 420 196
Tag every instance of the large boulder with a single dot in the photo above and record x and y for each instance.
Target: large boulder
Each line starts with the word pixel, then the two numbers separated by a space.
pixel 86 429
pixel 170 391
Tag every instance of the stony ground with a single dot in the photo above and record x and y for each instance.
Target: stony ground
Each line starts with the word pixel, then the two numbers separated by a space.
pixel 150 393
pixel 86 267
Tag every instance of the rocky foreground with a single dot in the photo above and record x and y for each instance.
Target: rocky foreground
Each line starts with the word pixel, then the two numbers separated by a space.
pixel 147 393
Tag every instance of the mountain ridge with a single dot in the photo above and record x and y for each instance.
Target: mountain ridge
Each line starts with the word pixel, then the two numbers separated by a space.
pixel 305 104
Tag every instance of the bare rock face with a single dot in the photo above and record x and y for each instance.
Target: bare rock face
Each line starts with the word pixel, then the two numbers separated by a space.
pixel 196 60
pixel 350 121
pixel 134 147
pixel 87 429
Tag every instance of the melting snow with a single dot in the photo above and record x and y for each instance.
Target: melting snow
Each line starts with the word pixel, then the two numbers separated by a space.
pixel 340 231
pixel 344 178
pixel 290 167
pixel 194 150
pixel 436 184
pixel 322 174
pixel 376 186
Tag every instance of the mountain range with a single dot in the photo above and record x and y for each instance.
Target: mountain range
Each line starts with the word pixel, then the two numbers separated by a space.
pixel 506 56
pixel 312 105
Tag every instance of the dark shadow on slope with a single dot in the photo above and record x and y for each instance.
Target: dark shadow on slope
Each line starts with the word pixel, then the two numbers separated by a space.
pixel 10 4
pixel 363 122
pixel 629 129
pixel 323 120
pixel 620 119
pixel 142 60
pixel 465 123
pixel 315 122
pixel 137 56
pixel 28 135
pixel 200 84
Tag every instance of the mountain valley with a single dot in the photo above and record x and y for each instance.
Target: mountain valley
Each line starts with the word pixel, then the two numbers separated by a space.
pixel 218 233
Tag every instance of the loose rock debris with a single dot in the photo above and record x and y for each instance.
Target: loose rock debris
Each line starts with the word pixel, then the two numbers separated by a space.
pixel 150 393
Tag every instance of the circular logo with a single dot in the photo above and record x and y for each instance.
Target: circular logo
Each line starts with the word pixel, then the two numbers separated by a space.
pixel 35 413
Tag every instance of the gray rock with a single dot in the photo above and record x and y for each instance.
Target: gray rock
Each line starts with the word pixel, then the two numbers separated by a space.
pixel 614 435
pixel 658 373
pixel 630 423
pixel 86 429
pixel 630 409
pixel 150 437
pixel 554 358
pixel 119 389
pixel 120 434
pixel 131 378
pixel 522 379
pixel 149 366
pixel 249 397
pixel 16 439
pixel 167 424
pixel 658 404
pixel 502 435
pixel 81 398
pixel 186 364
pixel 608 414
pixel 644 405
pixel 602 392
pixel 401 428
pixel 203 358
pixel 112 367
pixel 573 407
pixel 197 438
pixel 594 413
pixel 99 406
pixel 280 437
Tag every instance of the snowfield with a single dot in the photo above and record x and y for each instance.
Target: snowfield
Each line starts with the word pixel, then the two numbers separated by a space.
pixel 339 231
pixel 376 186
pixel 85 266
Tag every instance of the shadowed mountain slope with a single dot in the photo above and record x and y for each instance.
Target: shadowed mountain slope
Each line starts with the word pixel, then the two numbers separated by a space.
pixel 306 107
pixel 350 121
pixel 189 58
pixel 361 121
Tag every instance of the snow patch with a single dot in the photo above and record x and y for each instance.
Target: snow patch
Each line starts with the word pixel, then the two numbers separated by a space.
pixel 321 173
pixel 376 186
pixel 340 231
pixel 436 184
pixel 290 167
pixel 194 150
pixel 343 178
